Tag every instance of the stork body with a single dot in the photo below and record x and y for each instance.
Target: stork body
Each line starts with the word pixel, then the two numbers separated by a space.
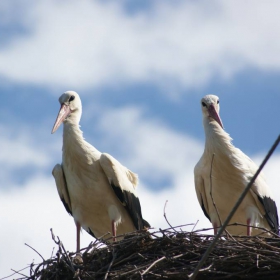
pixel 97 190
pixel 231 171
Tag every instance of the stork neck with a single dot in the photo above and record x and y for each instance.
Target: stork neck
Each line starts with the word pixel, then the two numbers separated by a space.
pixel 72 133
pixel 74 144
pixel 217 140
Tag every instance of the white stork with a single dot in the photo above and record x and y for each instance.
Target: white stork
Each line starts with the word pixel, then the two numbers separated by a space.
pixel 95 188
pixel 231 171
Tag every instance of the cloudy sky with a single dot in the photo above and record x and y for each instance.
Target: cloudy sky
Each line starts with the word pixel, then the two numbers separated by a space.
pixel 141 68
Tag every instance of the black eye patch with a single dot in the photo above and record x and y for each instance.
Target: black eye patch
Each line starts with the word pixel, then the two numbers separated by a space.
pixel 72 98
pixel 203 104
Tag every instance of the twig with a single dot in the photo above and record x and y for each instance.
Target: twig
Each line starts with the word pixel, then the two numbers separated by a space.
pixel 204 229
pixel 88 248
pixel 194 225
pixel 164 215
pixel 268 246
pixel 111 263
pixel 53 238
pixel 203 269
pixel 125 259
pixel 18 272
pixel 133 270
pixel 218 214
pixel 60 244
pixel 15 272
pixel 31 268
pixel 262 228
pixel 211 247
pixel 213 201
pixel 35 251
pixel 154 263
pixel 180 226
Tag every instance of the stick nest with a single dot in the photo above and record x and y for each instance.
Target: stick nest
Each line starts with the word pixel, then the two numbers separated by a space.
pixel 165 254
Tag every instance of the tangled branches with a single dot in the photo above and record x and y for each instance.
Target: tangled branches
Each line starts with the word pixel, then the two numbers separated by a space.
pixel 165 254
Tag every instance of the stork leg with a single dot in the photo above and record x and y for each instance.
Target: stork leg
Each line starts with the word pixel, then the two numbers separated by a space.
pixel 114 230
pixel 78 227
pixel 249 229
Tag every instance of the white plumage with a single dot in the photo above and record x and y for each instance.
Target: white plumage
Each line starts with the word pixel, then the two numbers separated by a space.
pixel 231 172
pixel 95 188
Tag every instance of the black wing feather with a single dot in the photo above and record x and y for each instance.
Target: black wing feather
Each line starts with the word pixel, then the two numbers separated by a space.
pixel 204 210
pixel 271 214
pixel 89 231
pixel 66 206
pixel 132 205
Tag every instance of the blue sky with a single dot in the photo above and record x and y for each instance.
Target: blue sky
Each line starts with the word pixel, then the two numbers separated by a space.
pixel 141 68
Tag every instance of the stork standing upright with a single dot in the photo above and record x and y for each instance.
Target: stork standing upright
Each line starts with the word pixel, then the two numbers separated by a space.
pixel 95 188
pixel 231 171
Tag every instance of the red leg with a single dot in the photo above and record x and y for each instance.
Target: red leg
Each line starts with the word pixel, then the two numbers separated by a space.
pixel 114 230
pixel 78 226
pixel 249 229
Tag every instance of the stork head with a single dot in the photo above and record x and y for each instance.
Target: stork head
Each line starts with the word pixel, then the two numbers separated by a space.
pixel 210 108
pixel 71 106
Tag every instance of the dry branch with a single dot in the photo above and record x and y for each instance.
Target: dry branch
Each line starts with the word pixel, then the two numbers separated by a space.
pixel 165 254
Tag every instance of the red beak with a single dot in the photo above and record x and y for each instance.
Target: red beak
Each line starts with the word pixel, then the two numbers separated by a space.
pixel 213 114
pixel 62 115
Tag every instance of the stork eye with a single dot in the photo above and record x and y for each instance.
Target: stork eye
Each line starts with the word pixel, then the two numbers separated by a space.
pixel 71 98
pixel 218 101
pixel 203 104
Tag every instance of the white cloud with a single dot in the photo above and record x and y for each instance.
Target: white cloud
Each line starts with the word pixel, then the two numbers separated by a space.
pixel 18 148
pixel 27 214
pixel 26 151
pixel 91 43
pixel 149 146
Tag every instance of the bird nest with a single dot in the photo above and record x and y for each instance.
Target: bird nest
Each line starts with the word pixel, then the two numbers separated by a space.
pixel 165 254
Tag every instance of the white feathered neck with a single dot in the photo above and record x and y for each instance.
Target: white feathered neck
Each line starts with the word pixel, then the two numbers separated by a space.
pixel 217 140
pixel 74 145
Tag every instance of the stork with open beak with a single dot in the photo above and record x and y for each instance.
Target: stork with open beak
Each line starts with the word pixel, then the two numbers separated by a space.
pixel 97 190
pixel 231 171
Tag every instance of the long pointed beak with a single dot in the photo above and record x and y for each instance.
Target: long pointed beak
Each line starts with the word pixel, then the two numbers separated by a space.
pixel 62 115
pixel 213 114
